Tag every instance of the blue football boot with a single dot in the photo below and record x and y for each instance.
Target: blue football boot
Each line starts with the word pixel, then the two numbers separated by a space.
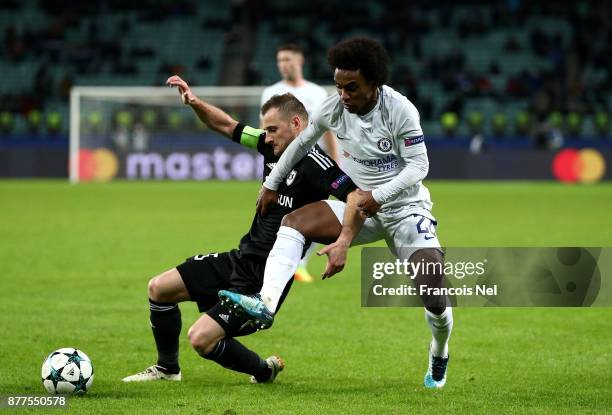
pixel 435 378
pixel 251 305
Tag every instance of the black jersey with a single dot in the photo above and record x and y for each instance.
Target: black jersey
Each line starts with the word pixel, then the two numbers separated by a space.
pixel 313 178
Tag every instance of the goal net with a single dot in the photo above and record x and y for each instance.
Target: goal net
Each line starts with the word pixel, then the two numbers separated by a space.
pixel 146 133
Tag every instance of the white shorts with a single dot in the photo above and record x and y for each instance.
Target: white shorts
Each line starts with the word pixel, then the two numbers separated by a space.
pixel 405 232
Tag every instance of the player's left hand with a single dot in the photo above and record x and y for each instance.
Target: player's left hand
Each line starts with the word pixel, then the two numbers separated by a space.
pixel 336 258
pixel 366 203
pixel 186 94
pixel 265 199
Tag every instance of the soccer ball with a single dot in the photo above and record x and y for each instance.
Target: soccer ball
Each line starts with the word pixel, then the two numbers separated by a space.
pixel 67 371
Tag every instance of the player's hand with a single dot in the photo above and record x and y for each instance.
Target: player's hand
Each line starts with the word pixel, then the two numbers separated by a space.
pixel 366 203
pixel 266 199
pixel 336 258
pixel 186 94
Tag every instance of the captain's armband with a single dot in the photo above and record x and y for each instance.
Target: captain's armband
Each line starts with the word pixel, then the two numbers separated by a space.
pixel 247 136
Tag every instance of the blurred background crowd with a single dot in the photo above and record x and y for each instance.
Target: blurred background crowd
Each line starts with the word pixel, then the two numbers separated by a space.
pixel 503 69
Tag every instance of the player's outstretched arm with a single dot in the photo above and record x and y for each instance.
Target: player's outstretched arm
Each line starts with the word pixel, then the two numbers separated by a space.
pixel 351 225
pixel 215 118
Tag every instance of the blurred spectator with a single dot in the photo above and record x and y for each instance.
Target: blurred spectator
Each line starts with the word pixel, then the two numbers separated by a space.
pixel 204 63
pixel 13 44
pixel 171 68
pixel 64 88
pixel 43 84
pixel 539 43
pixel 125 68
pixel 512 44
pixel 494 68
pixel 253 75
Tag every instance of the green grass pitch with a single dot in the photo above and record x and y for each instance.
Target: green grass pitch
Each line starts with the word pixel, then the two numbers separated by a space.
pixel 75 261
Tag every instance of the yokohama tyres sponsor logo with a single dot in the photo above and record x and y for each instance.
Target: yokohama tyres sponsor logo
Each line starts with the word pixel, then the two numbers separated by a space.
pixel 375 162
pixel 218 164
pixel 383 164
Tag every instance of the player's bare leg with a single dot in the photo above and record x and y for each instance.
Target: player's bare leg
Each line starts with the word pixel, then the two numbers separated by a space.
pixel 306 222
pixel 165 291
pixel 168 287
pixel 209 339
pixel 204 335
pixel 438 314
pixel 315 222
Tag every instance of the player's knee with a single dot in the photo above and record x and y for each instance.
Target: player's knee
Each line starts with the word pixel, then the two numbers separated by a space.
pixel 290 220
pixel 163 288
pixel 428 256
pixel 154 289
pixel 202 341
pixel 294 221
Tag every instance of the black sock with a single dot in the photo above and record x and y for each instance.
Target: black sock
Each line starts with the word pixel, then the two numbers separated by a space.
pixel 166 324
pixel 233 355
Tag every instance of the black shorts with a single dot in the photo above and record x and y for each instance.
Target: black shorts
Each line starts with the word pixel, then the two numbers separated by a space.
pixel 204 275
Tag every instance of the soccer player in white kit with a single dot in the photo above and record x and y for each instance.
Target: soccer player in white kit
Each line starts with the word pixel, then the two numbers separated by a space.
pixel 384 151
pixel 290 61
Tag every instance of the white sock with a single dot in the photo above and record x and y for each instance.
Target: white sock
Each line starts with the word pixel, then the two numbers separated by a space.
pixel 441 327
pixel 281 265
pixel 309 251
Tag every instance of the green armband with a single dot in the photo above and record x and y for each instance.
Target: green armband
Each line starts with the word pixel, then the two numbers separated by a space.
pixel 250 136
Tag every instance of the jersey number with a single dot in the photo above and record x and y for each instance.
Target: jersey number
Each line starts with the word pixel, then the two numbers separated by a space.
pixel 202 256
pixel 426 227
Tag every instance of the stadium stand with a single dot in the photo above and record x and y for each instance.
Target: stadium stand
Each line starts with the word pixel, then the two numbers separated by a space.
pixel 504 66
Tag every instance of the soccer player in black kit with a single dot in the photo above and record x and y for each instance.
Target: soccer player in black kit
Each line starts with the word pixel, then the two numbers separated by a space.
pixel 200 277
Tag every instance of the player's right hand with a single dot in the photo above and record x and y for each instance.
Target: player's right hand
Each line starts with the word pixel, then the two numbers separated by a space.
pixel 367 205
pixel 336 258
pixel 265 199
pixel 186 94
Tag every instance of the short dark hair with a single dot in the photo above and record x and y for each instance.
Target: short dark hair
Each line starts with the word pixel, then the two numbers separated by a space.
pixel 363 54
pixel 293 47
pixel 288 106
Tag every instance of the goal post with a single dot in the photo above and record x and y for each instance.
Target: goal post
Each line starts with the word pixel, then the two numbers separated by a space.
pixel 147 133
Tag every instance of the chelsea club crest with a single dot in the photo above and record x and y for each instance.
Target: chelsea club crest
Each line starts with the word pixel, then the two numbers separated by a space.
pixel 291 177
pixel 384 144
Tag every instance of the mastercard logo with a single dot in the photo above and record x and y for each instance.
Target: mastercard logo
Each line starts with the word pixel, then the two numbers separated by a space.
pixel 585 166
pixel 100 165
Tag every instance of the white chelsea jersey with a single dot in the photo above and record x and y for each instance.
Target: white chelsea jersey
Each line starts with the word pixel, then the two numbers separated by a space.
pixel 376 147
pixel 309 94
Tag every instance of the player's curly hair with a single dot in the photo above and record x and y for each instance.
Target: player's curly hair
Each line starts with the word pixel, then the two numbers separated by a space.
pixel 363 54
